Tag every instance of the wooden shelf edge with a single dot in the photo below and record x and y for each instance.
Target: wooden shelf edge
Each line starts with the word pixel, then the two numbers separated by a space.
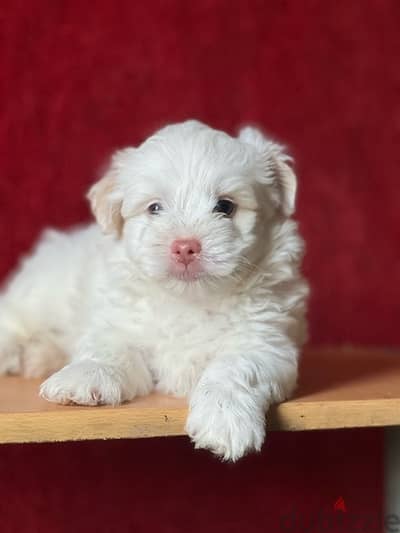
pixel 97 423
pixel 299 416
pixel 91 423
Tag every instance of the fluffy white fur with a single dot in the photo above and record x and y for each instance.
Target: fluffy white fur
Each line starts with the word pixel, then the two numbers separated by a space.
pixel 103 298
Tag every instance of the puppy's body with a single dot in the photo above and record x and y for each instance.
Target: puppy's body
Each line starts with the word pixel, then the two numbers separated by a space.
pixel 223 329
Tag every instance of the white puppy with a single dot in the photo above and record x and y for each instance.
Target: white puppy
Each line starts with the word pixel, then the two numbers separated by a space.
pixel 190 285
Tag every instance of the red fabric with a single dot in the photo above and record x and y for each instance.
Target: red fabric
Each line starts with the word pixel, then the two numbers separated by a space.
pixel 80 79
pixel 161 485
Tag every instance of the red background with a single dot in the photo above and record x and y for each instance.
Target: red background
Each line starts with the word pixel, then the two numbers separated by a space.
pixel 81 79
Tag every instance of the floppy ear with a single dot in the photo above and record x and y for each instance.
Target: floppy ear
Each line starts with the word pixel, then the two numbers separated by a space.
pixel 276 167
pixel 106 199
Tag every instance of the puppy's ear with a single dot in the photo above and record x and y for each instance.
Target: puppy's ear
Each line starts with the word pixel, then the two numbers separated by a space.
pixel 105 197
pixel 276 169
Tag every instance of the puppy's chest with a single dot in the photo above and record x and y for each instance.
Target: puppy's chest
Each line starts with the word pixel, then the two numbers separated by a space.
pixel 180 339
pixel 164 324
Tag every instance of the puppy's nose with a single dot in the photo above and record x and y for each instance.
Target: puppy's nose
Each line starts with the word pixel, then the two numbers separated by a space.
pixel 185 250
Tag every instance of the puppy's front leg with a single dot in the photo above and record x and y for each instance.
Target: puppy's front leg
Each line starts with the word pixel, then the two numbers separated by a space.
pixel 228 405
pixel 107 369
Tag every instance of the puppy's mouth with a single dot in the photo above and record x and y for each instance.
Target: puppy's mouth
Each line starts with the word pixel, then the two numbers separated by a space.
pixel 191 272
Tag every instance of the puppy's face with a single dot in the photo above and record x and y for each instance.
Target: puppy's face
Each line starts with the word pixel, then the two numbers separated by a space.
pixel 191 203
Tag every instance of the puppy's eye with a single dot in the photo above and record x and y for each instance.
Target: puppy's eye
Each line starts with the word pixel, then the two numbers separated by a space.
pixel 226 207
pixel 155 208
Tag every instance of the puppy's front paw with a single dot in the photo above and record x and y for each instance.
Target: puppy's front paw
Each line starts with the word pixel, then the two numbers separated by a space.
pixel 229 425
pixel 84 383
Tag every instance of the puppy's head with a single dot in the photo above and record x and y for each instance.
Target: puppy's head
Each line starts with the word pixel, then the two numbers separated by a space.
pixel 192 204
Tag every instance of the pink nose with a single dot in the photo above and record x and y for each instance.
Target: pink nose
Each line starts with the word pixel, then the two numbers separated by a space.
pixel 185 250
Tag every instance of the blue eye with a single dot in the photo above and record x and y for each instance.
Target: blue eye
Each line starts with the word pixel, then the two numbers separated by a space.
pixel 155 208
pixel 225 207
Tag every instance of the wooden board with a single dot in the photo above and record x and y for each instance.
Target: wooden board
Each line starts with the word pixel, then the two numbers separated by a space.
pixel 339 388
